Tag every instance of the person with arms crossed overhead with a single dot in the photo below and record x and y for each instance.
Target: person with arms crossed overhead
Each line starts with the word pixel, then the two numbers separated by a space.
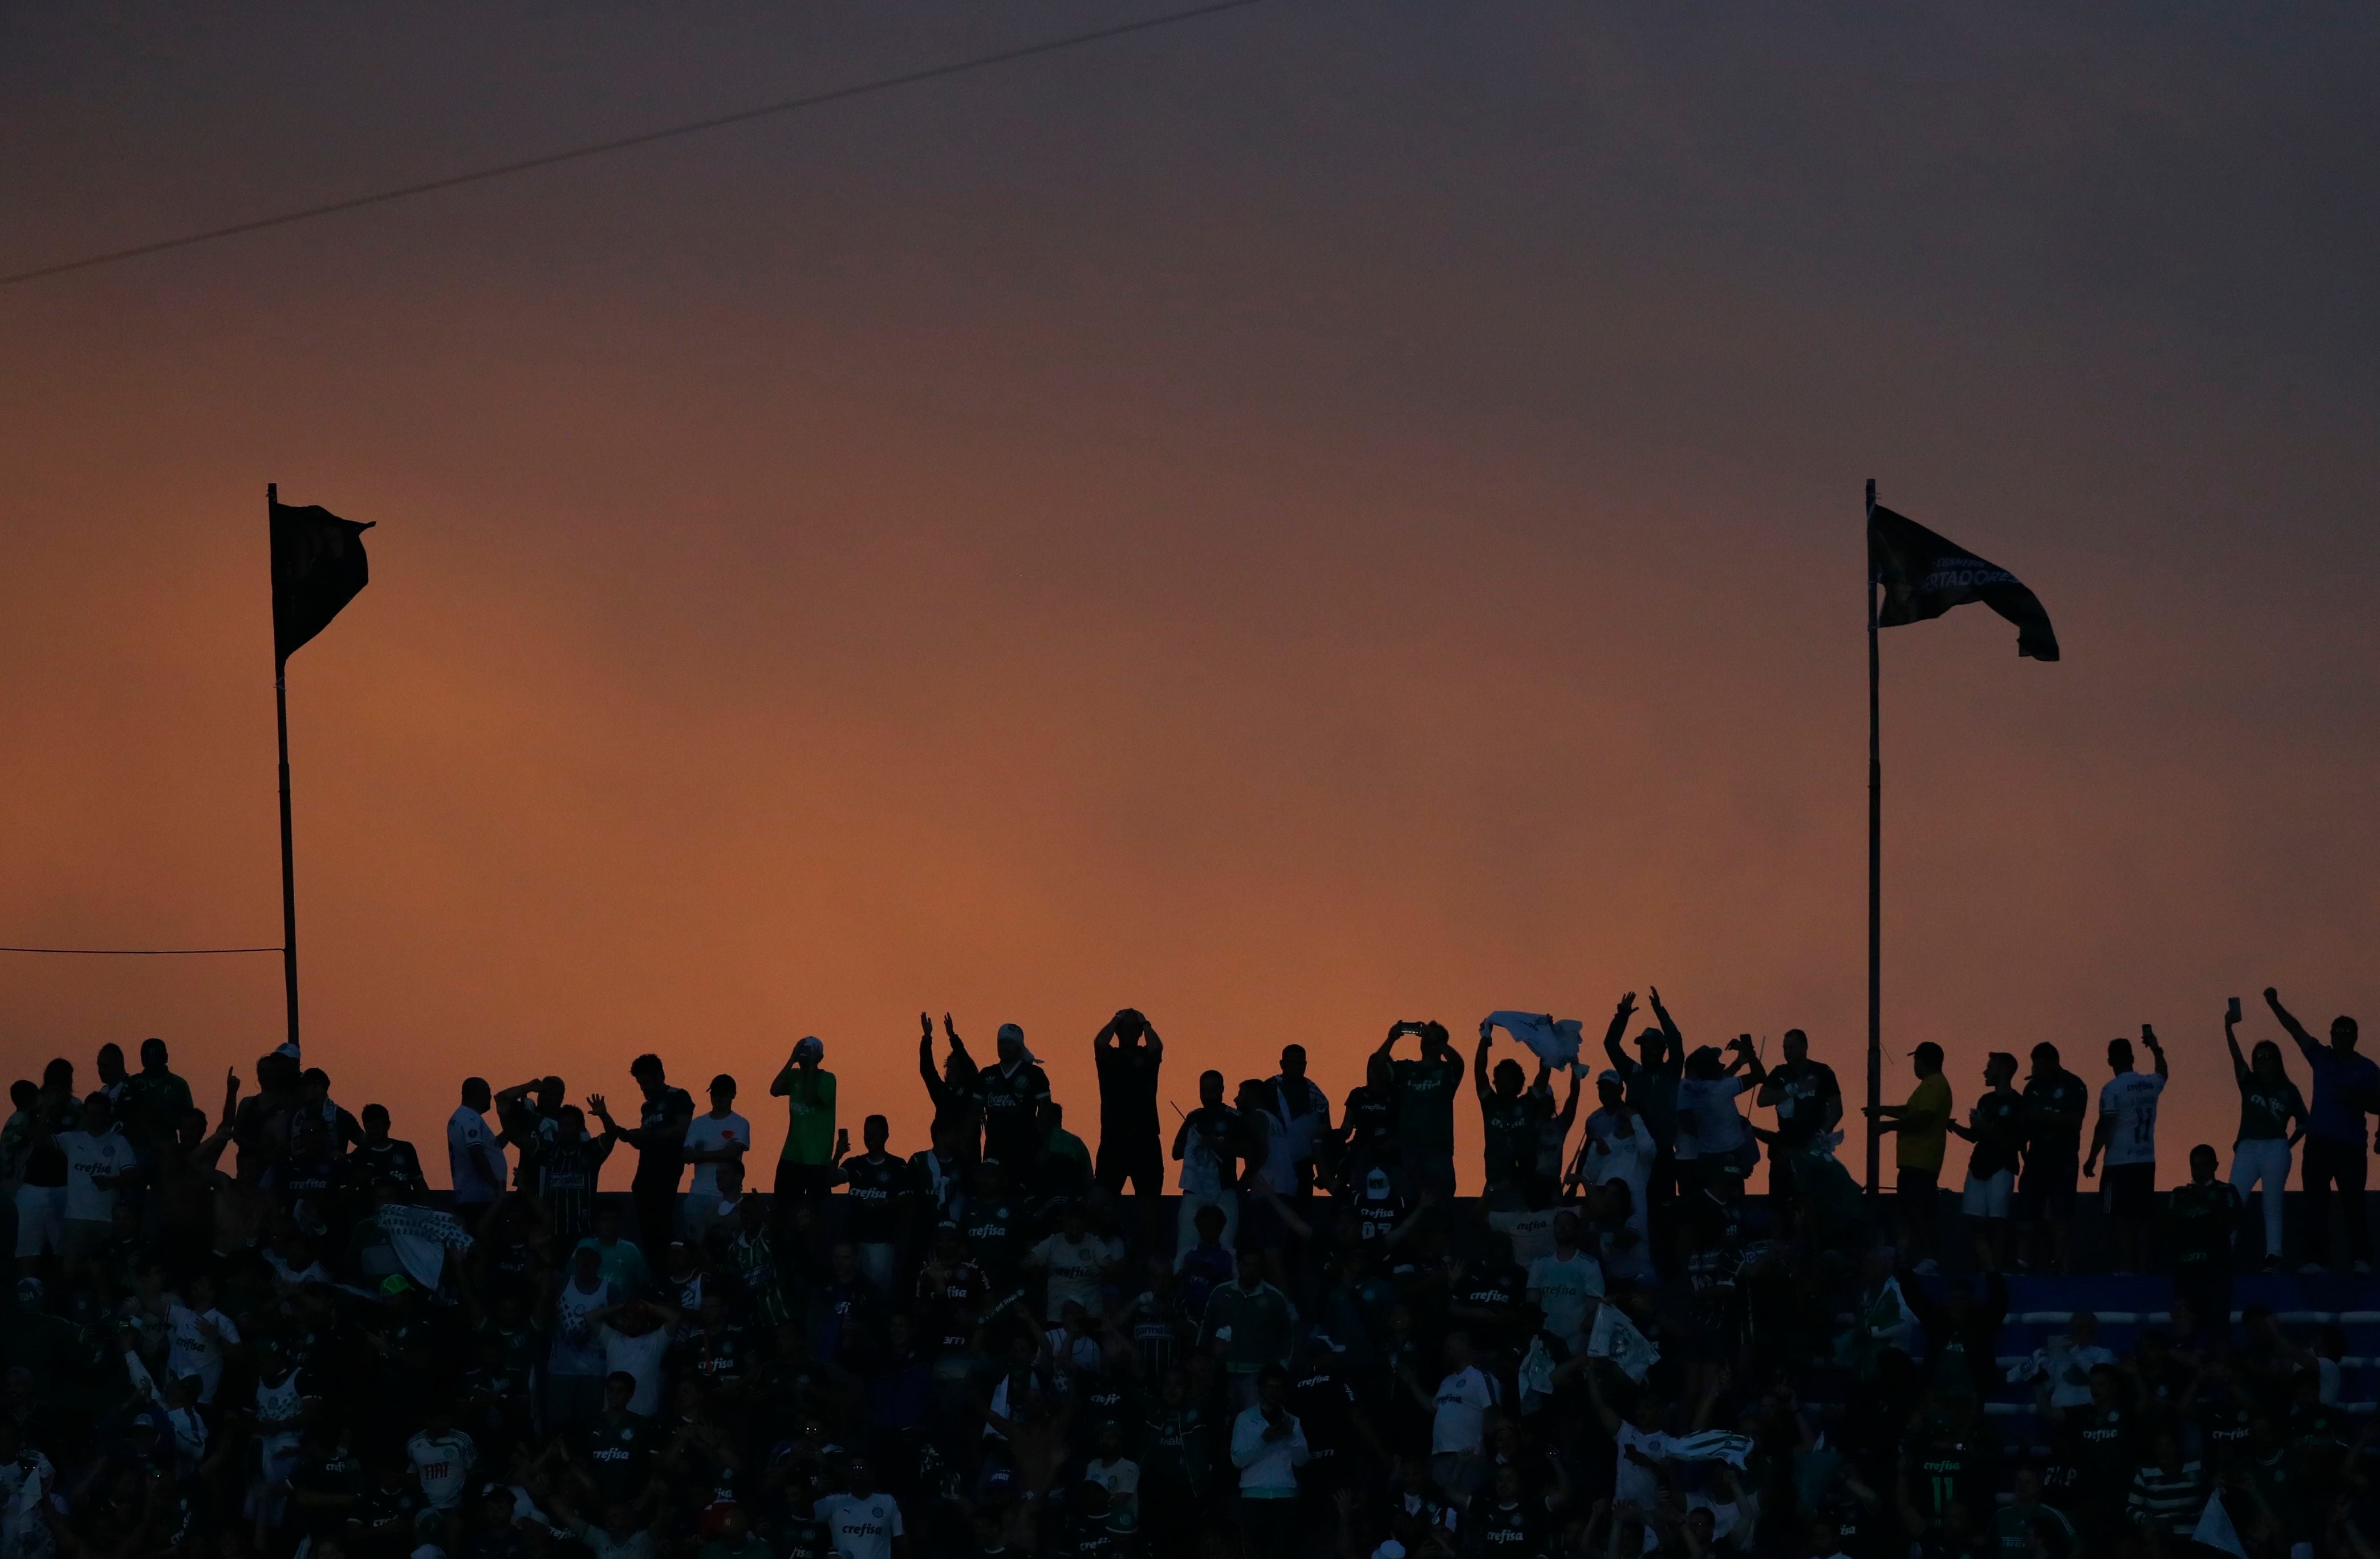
pixel 2127 1134
pixel 1425 1108
pixel 2054 1102
pixel 2268 1102
pixel 1921 1125
pixel 1809 1102
pixel 2346 1088
pixel 1128 1053
pixel 806 1166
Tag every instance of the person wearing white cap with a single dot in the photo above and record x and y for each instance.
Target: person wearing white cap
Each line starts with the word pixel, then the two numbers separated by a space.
pixel 1013 1091
pixel 806 1168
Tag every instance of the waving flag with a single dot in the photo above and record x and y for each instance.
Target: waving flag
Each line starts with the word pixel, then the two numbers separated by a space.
pixel 1924 575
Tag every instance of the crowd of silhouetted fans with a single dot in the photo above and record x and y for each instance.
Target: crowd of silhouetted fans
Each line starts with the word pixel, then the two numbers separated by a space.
pixel 244 1326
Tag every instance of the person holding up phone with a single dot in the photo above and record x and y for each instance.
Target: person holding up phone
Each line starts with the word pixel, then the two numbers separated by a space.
pixel 2268 1102
pixel 2127 1134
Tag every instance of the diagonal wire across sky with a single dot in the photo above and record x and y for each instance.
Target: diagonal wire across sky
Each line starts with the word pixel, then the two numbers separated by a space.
pixel 626 143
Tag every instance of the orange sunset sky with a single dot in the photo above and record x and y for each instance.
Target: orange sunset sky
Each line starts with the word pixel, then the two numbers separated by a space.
pixel 1318 515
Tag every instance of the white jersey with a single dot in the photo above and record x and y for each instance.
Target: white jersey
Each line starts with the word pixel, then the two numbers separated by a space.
pixel 709 1133
pixel 576 1350
pixel 1709 1126
pixel 2130 1100
pixel 863 1528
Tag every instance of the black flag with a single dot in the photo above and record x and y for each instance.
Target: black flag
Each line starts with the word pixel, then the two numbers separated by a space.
pixel 318 566
pixel 1924 575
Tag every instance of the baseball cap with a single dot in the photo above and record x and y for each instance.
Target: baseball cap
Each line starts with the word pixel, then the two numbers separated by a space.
pixel 1012 1031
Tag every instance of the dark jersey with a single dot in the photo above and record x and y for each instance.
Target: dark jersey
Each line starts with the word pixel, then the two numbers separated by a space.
pixel 1011 1105
pixel 1426 1090
pixel 1803 1090
pixel 2064 1093
pixel 1997 1121
pixel 878 1187
pixel 1128 1094
pixel 666 1115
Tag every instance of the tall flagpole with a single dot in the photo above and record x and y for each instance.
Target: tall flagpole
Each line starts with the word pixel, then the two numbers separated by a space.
pixel 288 860
pixel 1874 882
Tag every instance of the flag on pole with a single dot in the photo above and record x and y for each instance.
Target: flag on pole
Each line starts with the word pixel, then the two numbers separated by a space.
pixel 1924 575
pixel 318 566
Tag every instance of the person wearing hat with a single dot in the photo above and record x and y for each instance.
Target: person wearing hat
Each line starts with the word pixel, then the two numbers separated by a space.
pixel 1013 1089
pixel 1922 1125
pixel 806 1168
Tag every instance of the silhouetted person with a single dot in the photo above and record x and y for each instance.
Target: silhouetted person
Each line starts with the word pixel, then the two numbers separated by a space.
pixel 658 1138
pixel 475 1165
pixel 1651 1077
pixel 2055 1103
pixel 1506 1120
pixel 958 1108
pixel 2205 1217
pixel 1920 1127
pixel 806 1168
pixel 2126 1133
pixel 1305 1112
pixel 1128 1053
pixel 2259 1153
pixel 1013 1092
pixel 1425 1095
pixel 1996 1127
pixel 2346 1087
pixel 1809 1102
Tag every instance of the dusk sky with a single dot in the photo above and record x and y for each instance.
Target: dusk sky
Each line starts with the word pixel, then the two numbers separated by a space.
pixel 1322 515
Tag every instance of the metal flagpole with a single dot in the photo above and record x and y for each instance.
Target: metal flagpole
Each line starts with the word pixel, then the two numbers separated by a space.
pixel 288 861
pixel 1875 885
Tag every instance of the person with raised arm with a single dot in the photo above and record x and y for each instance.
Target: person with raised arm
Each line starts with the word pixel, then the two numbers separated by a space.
pixel 806 1164
pixel 1651 1078
pixel 958 1108
pixel 1424 1106
pixel 1504 1116
pixel 2126 1133
pixel 2346 1088
pixel 2259 1153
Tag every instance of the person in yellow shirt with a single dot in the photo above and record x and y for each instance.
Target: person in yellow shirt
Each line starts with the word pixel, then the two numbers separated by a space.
pixel 1923 1125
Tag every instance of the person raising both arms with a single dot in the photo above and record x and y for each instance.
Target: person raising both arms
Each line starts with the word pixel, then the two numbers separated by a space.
pixel 2346 1088
pixel 958 1107
pixel 1425 1108
pixel 2126 1133
pixel 1651 1078
pixel 2268 1102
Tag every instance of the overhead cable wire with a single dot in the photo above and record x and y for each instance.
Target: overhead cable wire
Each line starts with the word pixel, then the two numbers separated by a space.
pixel 624 143
pixel 140 952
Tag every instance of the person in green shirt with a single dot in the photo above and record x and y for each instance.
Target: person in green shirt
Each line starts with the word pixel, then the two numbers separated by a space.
pixel 2268 1102
pixel 1924 1124
pixel 806 1168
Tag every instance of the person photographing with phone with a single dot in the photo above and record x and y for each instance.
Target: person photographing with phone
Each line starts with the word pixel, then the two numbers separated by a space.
pixel 2126 1133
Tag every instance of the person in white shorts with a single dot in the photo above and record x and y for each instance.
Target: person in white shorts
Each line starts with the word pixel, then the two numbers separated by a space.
pixel 1996 1127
